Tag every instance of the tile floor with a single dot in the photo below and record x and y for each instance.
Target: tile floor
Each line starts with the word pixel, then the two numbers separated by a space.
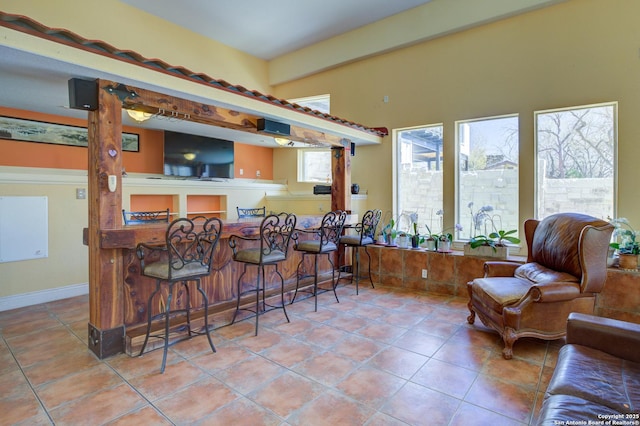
pixel 385 357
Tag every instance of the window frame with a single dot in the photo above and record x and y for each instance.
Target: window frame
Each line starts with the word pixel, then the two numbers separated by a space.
pixel 301 170
pixel 457 178
pixel 536 194
pixel 396 166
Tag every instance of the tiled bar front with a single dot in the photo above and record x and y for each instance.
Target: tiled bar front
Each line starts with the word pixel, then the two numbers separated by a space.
pixel 448 273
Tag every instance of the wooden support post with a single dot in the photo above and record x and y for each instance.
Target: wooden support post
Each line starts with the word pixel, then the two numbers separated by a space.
pixel 106 319
pixel 341 187
pixel 341 178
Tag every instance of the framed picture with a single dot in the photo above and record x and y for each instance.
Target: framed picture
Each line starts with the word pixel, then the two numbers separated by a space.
pixel 19 129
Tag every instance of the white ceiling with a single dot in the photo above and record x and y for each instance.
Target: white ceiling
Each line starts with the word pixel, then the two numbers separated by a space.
pixel 270 28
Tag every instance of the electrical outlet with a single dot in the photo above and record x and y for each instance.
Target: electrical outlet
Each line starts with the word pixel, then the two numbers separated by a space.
pixel 424 273
pixel 241 172
pixel 257 173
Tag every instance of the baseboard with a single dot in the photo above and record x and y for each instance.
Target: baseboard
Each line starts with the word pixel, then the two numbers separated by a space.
pixel 42 296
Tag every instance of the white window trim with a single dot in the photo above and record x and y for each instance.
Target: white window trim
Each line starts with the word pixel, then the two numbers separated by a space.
pixel 615 149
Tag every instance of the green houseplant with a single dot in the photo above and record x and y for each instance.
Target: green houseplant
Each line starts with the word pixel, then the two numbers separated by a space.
pixel 493 245
pixel 626 244
pixel 390 233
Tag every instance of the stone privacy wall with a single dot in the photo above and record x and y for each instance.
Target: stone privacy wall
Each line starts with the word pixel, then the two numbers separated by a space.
pixel 449 273
pixel 422 193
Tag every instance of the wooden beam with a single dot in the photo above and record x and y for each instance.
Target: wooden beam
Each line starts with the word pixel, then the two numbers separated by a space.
pixel 105 206
pixel 170 106
pixel 341 178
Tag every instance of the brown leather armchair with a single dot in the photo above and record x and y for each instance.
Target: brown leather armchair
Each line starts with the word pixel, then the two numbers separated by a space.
pixel 566 266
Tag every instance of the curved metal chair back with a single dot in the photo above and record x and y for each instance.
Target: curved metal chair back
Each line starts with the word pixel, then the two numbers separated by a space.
pixel 189 253
pixel 189 256
pixel 367 227
pixel 244 213
pixel 276 232
pixel 331 228
pixel 141 218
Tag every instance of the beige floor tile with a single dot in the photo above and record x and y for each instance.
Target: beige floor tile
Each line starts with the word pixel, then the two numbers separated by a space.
pixel 418 405
pixel 388 356
pixel 76 385
pixel 401 362
pixel 98 407
pixel 287 393
pixel 370 386
pixel 331 409
pixel 196 401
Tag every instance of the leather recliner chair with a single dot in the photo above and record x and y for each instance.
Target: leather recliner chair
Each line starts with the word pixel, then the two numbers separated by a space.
pixel 566 267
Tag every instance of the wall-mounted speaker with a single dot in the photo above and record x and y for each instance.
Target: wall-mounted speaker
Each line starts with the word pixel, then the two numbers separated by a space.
pixel 353 149
pixel 273 127
pixel 83 94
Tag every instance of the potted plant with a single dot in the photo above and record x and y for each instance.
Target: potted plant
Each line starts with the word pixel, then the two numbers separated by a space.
pixel 403 239
pixel 416 239
pixel 626 244
pixel 390 234
pixel 430 241
pixel 493 245
pixel 445 238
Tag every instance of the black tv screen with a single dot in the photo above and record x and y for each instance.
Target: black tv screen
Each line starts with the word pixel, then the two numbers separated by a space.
pixel 197 156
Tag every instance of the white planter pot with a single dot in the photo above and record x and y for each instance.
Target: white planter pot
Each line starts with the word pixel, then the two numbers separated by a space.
pixel 404 241
pixel 444 246
pixel 501 252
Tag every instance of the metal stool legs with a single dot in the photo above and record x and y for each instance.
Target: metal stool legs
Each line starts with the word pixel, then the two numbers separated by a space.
pixel 334 283
pixel 167 317
pixel 356 273
pixel 259 289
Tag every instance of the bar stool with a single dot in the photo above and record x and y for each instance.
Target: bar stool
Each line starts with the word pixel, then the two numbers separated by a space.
pixel 329 234
pixel 365 230
pixel 186 256
pixel 245 213
pixel 145 218
pixel 269 247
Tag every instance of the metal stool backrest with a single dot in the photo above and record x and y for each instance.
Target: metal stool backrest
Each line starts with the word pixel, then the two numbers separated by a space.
pixel 189 253
pixel 331 227
pixel 367 227
pixel 141 218
pixel 276 232
pixel 244 213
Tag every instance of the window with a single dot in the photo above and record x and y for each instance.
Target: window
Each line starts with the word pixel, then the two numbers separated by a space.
pixel 419 176
pixel 320 103
pixel 487 184
pixel 314 165
pixel 576 160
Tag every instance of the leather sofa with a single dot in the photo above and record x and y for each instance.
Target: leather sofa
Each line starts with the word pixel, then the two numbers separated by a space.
pixel 597 376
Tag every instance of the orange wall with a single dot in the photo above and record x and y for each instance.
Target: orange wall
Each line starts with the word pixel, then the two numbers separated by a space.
pixel 251 158
pixel 148 160
pixel 32 154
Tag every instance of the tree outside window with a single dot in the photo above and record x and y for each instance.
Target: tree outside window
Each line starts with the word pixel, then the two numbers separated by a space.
pixel 576 160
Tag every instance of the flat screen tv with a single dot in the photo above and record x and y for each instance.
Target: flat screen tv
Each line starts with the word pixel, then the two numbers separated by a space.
pixel 194 156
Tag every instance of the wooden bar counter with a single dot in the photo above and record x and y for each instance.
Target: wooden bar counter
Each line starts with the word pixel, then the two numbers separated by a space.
pixel 220 286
